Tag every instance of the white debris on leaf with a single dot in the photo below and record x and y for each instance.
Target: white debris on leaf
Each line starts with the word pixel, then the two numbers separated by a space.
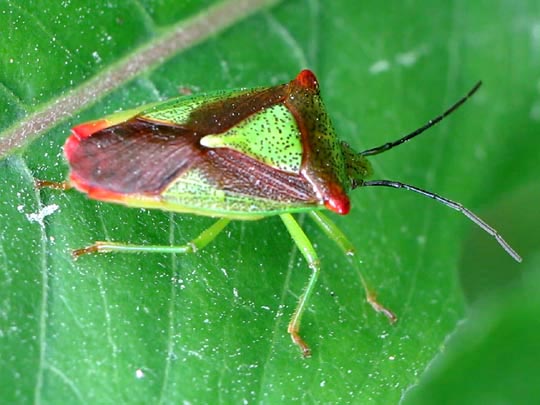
pixel 406 59
pixel 380 66
pixel 96 57
pixel 409 58
pixel 42 213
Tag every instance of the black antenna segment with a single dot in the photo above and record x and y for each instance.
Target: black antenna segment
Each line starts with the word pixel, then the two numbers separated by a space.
pixel 452 204
pixel 429 124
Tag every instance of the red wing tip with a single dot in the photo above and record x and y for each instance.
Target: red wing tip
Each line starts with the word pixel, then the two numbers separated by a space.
pixel 306 78
pixel 69 147
pixel 80 132
pixel 95 193
pixel 85 130
pixel 76 182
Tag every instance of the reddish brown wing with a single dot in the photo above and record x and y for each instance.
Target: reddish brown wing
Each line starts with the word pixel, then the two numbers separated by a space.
pixel 136 156
pixel 232 171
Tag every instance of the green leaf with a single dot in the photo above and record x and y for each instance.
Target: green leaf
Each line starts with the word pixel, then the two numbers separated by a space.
pixel 494 356
pixel 212 326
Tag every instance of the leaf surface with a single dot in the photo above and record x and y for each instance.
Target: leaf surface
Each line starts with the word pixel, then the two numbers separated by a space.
pixel 211 327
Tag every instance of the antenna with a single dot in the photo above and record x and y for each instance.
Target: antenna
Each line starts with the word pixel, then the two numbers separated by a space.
pixel 449 203
pixel 429 124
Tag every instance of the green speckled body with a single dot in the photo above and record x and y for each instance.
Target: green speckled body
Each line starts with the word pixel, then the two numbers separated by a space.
pixel 270 136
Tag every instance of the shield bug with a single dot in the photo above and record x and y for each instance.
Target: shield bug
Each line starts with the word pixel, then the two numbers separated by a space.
pixel 236 155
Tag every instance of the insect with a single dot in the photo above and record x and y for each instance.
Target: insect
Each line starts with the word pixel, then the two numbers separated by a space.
pixel 236 155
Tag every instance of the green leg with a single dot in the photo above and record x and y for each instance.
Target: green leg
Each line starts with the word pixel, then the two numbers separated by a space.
pixel 310 255
pixel 346 246
pixel 207 236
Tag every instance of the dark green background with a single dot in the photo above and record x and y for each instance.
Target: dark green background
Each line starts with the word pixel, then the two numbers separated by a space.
pixel 211 327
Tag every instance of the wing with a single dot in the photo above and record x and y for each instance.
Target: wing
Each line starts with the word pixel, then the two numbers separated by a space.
pixel 136 156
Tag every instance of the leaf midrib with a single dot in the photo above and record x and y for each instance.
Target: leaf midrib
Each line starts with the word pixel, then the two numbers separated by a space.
pixel 179 37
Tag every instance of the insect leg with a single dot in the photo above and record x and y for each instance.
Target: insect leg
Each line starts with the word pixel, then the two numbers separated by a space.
pixel 55 185
pixel 207 236
pixel 334 233
pixel 310 255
